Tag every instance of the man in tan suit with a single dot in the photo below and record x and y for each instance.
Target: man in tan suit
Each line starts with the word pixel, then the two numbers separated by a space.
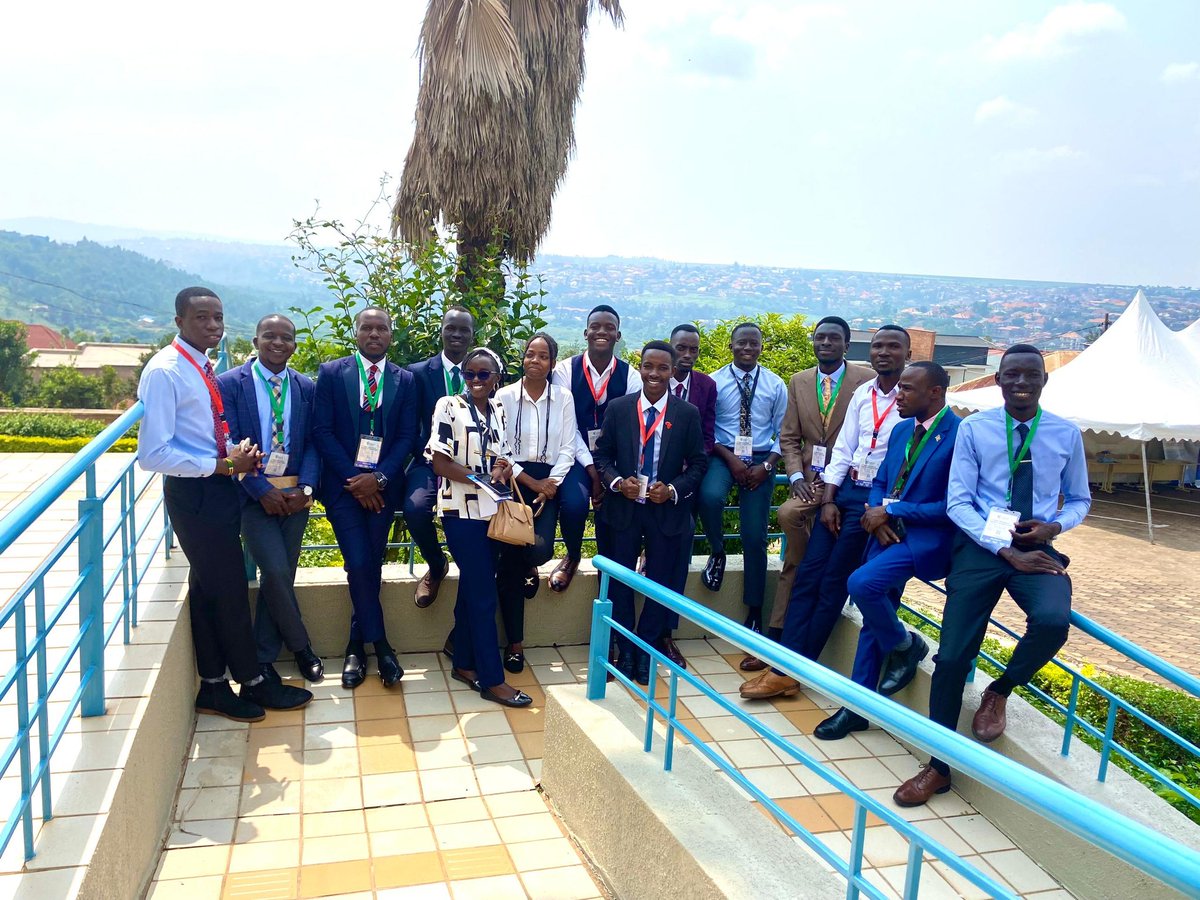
pixel 816 405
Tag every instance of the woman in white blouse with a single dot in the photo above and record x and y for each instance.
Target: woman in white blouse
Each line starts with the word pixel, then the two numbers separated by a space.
pixel 468 440
pixel 541 434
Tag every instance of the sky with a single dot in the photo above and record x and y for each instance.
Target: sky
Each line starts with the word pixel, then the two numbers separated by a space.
pixel 1038 140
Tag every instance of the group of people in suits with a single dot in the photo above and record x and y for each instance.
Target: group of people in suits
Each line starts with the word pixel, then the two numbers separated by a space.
pixel 886 484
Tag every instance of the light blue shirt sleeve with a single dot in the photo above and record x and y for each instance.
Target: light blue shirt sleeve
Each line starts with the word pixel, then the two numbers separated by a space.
pixel 176 434
pixel 963 487
pixel 766 409
pixel 1077 494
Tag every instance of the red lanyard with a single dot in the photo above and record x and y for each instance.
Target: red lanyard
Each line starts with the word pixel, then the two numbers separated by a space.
pixel 597 394
pixel 879 420
pixel 646 435
pixel 213 394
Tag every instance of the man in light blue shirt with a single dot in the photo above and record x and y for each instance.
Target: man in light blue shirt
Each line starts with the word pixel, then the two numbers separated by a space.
pixel 1009 469
pixel 751 402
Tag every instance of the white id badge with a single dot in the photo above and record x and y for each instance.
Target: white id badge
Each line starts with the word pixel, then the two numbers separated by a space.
pixel 593 436
pixel 866 472
pixel 1000 524
pixel 743 447
pixel 368 451
pixel 643 488
pixel 277 463
pixel 819 456
pixel 888 501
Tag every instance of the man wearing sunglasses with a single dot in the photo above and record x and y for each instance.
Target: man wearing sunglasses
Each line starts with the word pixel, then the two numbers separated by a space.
pixel 365 429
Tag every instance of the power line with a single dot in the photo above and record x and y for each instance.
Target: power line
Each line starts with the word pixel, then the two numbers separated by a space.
pixel 63 287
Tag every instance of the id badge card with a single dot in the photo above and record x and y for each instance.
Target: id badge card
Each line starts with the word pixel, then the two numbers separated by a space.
pixel 368 451
pixel 593 436
pixel 867 470
pixel 277 463
pixel 888 501
pixel 743 447
pixel 643 488
pixel 1000 524
pixel 820 455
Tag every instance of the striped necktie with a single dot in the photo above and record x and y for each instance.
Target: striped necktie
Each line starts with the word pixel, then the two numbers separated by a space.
pixel 372 387
pixel 277 421
pixel 218 425
pixel 744 417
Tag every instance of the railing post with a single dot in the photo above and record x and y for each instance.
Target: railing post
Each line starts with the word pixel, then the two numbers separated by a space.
pixel 91 597
pixel 597 682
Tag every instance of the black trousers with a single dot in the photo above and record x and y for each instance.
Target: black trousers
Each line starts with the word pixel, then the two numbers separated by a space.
pixel 206 514
pixel 515 561
pixel 274 542
pixel 977 577
pixel 420 495
pixel 662 566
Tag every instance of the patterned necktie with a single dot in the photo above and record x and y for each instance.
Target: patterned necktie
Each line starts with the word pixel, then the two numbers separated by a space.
pixel 744 417
pixel 1022 483
pixel 679 390
pixel 648 450
pixel 277 421
pixel 218 425
pixel 372 387
pixel 455 382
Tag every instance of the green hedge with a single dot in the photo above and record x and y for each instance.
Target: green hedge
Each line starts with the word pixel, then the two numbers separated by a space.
pixel 51 425
pixel 17 444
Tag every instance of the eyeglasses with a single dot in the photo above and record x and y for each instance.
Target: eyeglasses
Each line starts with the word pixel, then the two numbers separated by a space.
pixel 478 374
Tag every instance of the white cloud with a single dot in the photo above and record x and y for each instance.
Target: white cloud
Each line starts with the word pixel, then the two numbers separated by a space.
pixel 1179 72
pixel 1036 159
pixel 1001 109
pixel 1057 34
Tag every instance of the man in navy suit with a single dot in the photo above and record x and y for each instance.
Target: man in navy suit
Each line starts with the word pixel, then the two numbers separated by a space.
pixel 651 459
pixel 365 428
pixel 911 536
pixel 272 405
pixel 436 377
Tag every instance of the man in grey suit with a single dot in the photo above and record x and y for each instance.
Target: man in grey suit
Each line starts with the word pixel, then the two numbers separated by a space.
pixel 272 405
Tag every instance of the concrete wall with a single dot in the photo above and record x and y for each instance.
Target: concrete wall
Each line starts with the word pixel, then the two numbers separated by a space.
pixel 684 833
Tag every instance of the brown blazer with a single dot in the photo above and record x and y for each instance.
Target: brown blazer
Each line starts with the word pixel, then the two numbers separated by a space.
pixel 802 424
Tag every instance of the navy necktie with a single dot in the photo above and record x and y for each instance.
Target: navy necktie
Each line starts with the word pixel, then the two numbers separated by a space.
pixel 648 450
pixel 1022 485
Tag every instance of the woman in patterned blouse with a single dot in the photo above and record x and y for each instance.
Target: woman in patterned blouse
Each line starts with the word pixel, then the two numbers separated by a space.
pixel 468 440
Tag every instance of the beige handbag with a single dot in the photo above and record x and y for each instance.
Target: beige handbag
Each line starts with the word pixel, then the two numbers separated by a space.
pixel 512 522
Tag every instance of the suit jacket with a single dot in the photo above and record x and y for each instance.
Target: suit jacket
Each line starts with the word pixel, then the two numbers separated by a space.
pixel 242 414
pixel 702 394
pixel 681 461
pixel 336 424
pixel 922 503
pixel 430 381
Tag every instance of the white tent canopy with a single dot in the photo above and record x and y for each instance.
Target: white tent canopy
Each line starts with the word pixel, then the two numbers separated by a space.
pixel 1139 379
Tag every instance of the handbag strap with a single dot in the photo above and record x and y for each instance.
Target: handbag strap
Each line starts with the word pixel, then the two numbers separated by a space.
pixel 517 497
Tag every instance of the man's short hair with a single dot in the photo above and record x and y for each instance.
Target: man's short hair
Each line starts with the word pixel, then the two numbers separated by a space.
pixel 738 327
pixel 1020 348
pixel 258 327
pixel 686 326
pixel 660 345
pixel 185 297
pixel 936 374
pixel 362 312
pixel 899 328
pixel 458 308
pixel 835 320
pixel 605 308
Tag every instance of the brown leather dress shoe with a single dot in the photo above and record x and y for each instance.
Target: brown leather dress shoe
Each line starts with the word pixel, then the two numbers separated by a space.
pixel 428 587
pixel 918 789
pixel 672 653
pixel 990 718
pixel 560 578
pixel 768 685
pixel 751 664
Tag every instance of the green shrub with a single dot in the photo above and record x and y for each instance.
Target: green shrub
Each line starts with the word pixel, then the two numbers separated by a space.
pixel 17 444
pixel 49 425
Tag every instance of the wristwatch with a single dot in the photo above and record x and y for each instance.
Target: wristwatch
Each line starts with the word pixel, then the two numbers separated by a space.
pixel 380 478
pixel 306 490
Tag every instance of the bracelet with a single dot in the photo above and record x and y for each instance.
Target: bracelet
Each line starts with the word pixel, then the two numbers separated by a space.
pixel 228 465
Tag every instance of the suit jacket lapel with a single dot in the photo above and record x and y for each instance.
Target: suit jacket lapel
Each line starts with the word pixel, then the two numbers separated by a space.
pixel 664 431
pixel 806 400
pixel 353 389
pixel 935 441
pixel 296 422
pixel 250 392
pixel 843 400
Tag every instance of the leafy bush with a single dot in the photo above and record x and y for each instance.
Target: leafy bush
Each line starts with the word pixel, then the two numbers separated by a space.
pixel 65 387
pixel 49 425
pixel 15 444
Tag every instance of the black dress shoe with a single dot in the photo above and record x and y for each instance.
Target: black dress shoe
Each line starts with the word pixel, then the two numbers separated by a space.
pixel 354 670
pixel 267 671
pixel 448 647
pixel 514 662
pixel 390 671
pixel 641 671
pixel 218 699
pixel 900 666
pixel 310 665
pixel 531 584
pixel 520 701
pixel 625 662
pixel 269 695
pixel 671 652
pixel 840 724
pixel 714 572
pixel 472 683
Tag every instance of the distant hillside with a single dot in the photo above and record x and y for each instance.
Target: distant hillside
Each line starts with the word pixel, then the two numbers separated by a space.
pixel 108 291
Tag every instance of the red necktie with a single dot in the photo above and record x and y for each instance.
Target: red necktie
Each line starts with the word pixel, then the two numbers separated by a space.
pixel 218 424
pixel 679 390
pixel 372 387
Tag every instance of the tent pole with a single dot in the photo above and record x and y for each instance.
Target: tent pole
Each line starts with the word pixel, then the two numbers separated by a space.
pixel 1146 481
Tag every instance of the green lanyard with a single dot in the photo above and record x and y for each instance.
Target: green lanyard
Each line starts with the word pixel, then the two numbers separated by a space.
pixel 1014 461
pixel 276 408
pixel 450 392
pixel 374 398
pixel 911 456
pixel 833 395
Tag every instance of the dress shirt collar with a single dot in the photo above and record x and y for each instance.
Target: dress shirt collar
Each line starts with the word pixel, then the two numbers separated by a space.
pixel 834 375
pixel 928 423
pixel 659 406
pixel 523 393
pixel 687 383
pixel 596 373
pixel 367 363
pixel 891 393
pixel 198 355
pixel 740 375
pixel 447 365
pixel 266 374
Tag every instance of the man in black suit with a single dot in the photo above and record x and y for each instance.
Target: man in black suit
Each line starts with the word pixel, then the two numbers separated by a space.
pixel 436 377
pixel 650 456
pixel 365 428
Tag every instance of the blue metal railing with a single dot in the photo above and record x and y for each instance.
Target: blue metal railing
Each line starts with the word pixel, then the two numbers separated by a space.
pixel 1170 862
pixel 126 544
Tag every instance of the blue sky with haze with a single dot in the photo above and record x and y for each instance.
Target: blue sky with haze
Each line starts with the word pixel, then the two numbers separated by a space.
pixel 1017 139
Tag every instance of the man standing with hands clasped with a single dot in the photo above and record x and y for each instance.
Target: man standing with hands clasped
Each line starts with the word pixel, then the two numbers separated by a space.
pixel 1010 465
pixel 185 436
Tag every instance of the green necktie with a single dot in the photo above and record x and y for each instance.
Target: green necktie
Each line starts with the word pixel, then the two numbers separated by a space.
pixel 455 382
